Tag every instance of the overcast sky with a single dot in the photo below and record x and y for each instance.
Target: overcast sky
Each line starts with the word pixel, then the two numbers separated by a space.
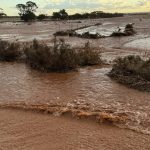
pixel 73 6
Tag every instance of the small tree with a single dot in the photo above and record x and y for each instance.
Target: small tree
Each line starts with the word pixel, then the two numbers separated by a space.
pixel 26 11
pixel 41 17
pixel 2 13
pixel 62 14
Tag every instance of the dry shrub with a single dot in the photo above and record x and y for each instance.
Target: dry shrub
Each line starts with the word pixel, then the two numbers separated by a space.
pixel 9 51
pixel 87 56
pixel 132 71
pixel 61 57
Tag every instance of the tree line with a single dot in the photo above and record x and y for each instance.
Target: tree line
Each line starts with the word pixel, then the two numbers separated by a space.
pixel 27 13
pixel 62 15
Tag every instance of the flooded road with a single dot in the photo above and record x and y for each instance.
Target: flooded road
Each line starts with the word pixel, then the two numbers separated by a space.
pixel 89 86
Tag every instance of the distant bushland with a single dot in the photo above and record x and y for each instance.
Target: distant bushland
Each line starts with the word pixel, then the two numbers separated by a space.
pixel 63 15
pixel 132 71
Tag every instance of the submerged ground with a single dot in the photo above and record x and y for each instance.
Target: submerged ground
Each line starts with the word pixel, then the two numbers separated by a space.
pixel 89 89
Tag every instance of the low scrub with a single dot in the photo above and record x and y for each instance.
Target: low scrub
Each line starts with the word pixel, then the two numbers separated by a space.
pixel 133 72
pixel 128 31
pixel 61 57
pixel 9 51
pixel 87 56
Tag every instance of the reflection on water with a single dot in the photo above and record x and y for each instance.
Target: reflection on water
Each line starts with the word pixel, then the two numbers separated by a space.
pixel 91 85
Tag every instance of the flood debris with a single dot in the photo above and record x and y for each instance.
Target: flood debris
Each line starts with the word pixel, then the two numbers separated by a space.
pixel 87 32
pixel 128 31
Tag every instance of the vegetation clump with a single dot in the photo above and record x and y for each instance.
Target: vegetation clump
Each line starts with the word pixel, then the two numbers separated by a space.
pixel 88 57
pixel 61 57
pixel 65 33
pixel 9 51
pixel 41 17
pixel 128 31
pixel 132 71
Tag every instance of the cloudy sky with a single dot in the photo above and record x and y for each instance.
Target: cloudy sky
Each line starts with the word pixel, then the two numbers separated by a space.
pixel 72 6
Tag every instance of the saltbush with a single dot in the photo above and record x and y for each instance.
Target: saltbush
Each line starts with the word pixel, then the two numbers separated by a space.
pixel 9 51
pixel 132 71
pixel 60 57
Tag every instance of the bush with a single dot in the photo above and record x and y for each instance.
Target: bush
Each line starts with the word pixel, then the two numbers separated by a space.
pixel 41 17
pixel 132 71
pixel 60 57
pixel 88 57
pixel 9 51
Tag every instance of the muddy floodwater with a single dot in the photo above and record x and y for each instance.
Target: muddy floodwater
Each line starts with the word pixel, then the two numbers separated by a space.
pixel 88 90
pixel 88 87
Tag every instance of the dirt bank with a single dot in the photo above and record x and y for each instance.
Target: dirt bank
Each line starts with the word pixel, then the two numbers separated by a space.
pixel 26 130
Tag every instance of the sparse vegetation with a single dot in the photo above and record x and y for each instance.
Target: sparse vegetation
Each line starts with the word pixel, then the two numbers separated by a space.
pixel 9 51
pixel 133 72
pixel 61 57
pixel 88 57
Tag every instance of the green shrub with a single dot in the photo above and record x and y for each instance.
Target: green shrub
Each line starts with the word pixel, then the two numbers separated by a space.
pixel 132 71
pixel 9 51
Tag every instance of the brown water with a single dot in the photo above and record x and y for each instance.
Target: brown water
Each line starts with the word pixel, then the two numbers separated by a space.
pixel 88 89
